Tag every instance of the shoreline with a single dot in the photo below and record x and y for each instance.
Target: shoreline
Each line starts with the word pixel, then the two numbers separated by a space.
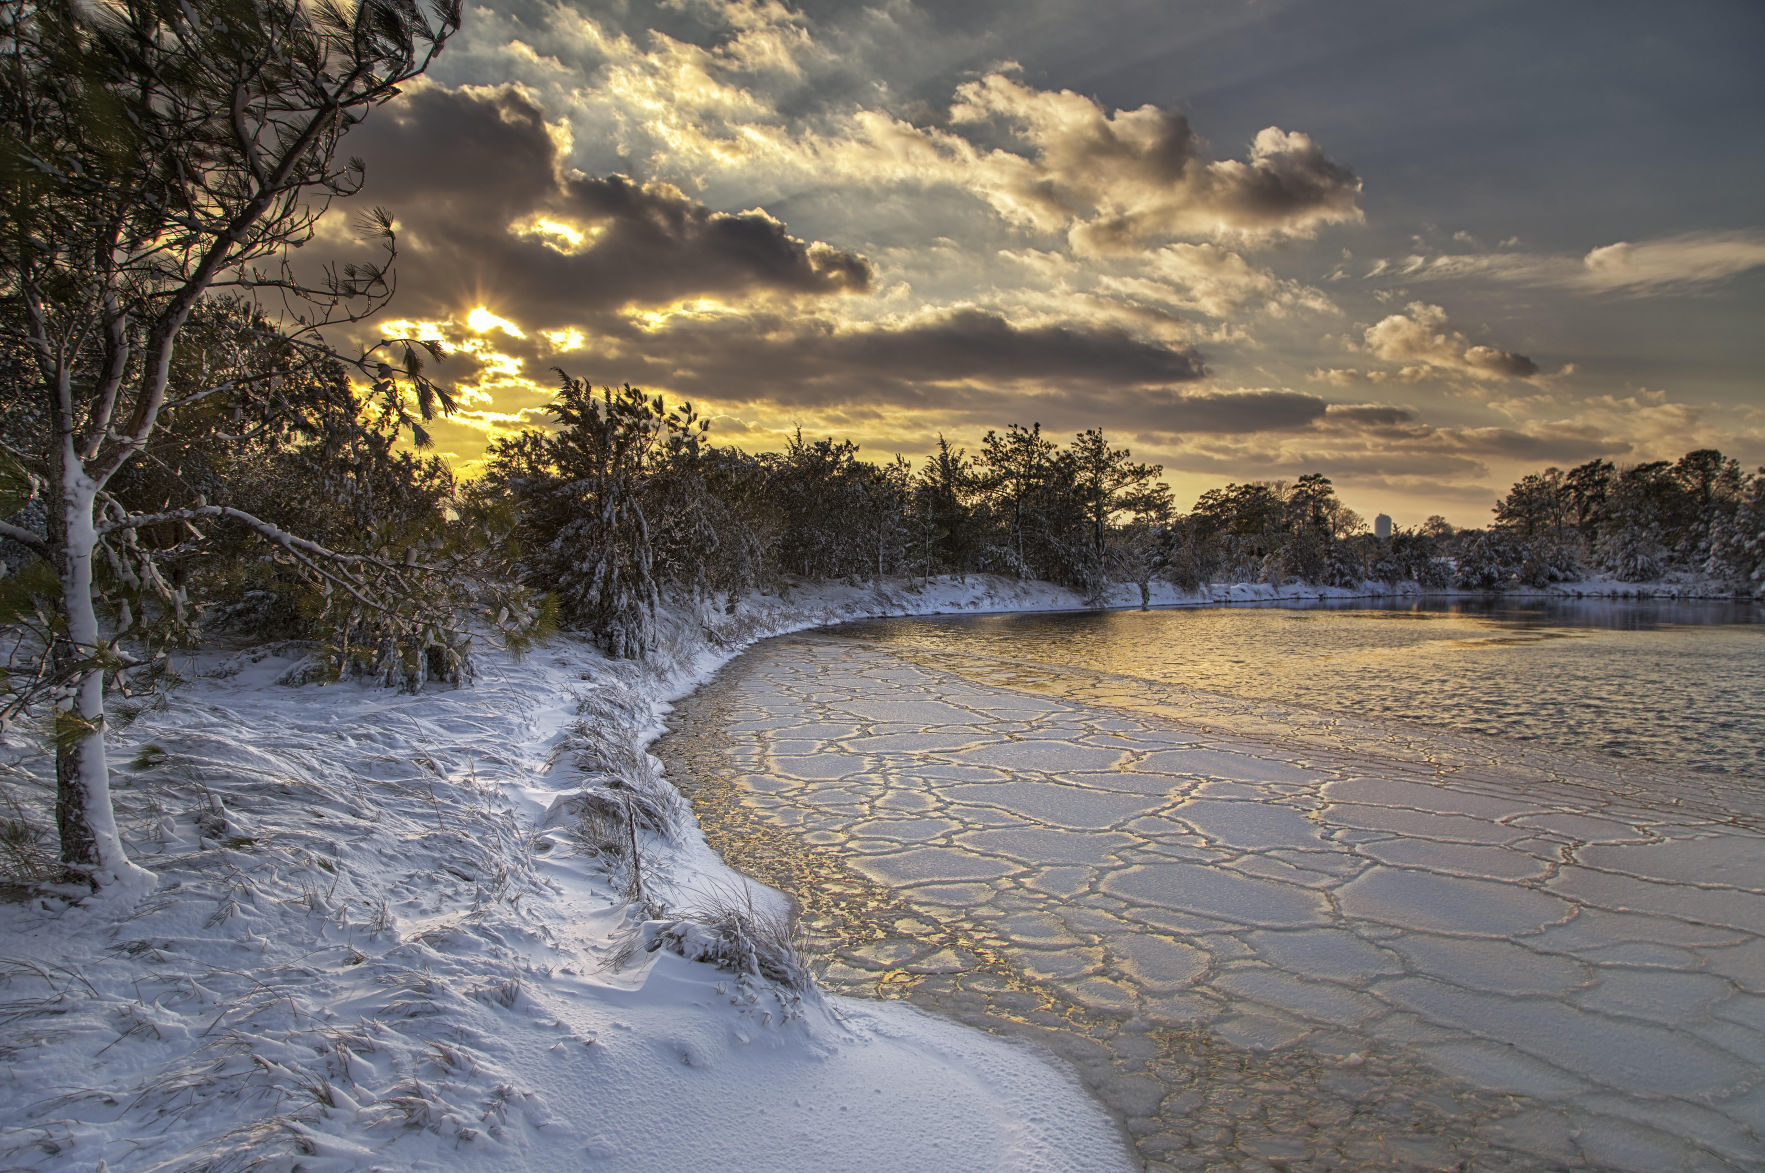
pixel 380 935
pixel 1435 858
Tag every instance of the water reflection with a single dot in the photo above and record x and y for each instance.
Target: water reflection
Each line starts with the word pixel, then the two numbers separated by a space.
pixel 1670 683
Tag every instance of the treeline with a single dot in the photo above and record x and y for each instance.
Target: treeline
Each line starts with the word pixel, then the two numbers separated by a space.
pixel 624 502
pixel 1701 514
pixel 626 499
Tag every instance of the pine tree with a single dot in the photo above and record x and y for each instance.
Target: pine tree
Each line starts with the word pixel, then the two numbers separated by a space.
pixel 151 152
pixel 585 493
pixel 1014 471
pixel 945 526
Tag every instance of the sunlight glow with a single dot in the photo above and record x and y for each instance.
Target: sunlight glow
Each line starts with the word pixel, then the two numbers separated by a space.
pixel 569 338
pixel 699 307
pixel 558 235
pixel 482 321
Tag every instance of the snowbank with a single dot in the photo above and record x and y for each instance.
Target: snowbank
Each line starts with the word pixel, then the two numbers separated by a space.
pixel 382 938
pixel 1675 586
pixel 386 925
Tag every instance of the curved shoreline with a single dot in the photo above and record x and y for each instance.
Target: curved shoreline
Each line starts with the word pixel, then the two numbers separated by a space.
pixel 949 994
pixel 382 935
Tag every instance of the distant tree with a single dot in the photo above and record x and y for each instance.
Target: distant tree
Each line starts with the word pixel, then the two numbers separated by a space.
pixel 714 527
pixel 1711 486
pixel 1411 556
pixel 1737 538
pixel 1143 545
pixel 1588 485
pixel 1109 486
pixel 153 153
pixel 880 518
pixel 1637 522
pixel 1240 531
pixel 1488 559
pixel 834 509
pixel 946 531
pixel 1537 506
pixel 1539 515
pixel 1014 472
pixel 1311 515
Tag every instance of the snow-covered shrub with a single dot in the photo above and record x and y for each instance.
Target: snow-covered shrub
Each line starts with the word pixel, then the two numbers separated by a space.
pixel 727 929
pixel 1488 560
pixel 1546 562
pixel 1634 554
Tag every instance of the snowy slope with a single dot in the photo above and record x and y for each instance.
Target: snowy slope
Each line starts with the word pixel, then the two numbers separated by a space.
pixel 378 942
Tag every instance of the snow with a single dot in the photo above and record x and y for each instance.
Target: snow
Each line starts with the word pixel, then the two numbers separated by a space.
pixel 377 943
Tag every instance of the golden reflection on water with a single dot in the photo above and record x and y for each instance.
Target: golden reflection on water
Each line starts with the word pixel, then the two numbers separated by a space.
pixel 1574 675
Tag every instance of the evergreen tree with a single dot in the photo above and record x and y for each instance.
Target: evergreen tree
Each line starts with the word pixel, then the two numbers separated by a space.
pixel 150 152
pixel 585 493
pixel 1013 472
pixel 1109 486
pixel 1637 520
pixel 944 523
pixel 1737 538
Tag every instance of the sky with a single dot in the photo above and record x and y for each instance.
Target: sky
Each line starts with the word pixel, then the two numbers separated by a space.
pixel 1423 249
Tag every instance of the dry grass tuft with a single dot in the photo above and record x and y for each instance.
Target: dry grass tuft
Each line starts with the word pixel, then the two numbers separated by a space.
pixel 726 929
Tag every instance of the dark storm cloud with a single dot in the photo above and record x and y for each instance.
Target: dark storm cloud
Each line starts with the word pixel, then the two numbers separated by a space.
pixel 469 173
pixel 821 363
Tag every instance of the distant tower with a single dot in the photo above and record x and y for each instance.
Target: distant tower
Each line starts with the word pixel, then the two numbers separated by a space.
pixel 1382 525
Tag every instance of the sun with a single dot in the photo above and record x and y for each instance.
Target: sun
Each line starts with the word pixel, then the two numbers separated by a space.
pixel 482 321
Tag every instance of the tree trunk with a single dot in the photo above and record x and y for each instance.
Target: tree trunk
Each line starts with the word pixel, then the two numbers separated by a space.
pixel 91 848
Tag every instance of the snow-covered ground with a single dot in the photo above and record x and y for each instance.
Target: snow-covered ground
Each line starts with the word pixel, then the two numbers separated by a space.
pixel 385 937
pixel 1604 586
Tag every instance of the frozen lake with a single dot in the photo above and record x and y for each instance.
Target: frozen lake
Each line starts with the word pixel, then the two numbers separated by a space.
pixel 1266 880
pixel 1677 683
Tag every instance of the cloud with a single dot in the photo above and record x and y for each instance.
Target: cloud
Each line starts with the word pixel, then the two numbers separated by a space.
pixel 1233 412
pixel 1215 281
pixel 1423 342
pixel 482 198
pixel 1372 415
pixel 1674 263
pixel 803 360
pixel 1666 265
pixel 1118 179
pixel 769 105
pixel 757 97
